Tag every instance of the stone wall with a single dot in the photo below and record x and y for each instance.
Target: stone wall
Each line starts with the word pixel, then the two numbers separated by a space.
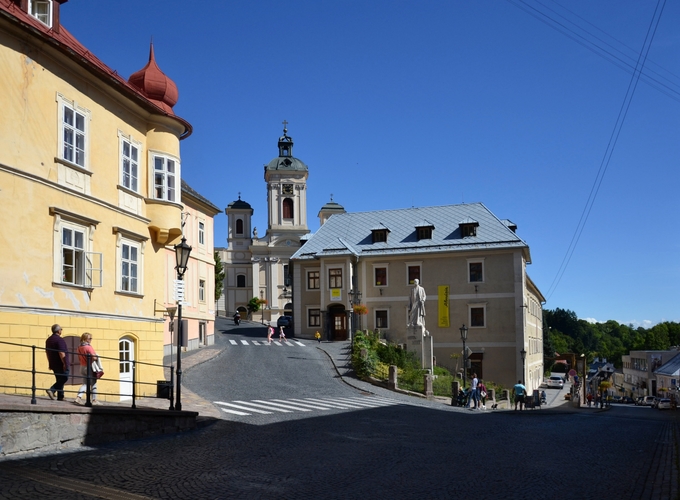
pixel 49 430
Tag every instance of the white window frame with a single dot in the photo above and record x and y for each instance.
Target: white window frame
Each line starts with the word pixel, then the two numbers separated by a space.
pixel 66 106
pixel 33 6
pixel 387 275
pixel 375 318
pixel 418 264
pixel 202 290
pixel 201 232
pixel 479 260
pixel 168 193
pixel 133 181
pixel 477 306
pixel 131 240
pixel 89 275
pixel 309 310
pixel 307 272
pixel 135 264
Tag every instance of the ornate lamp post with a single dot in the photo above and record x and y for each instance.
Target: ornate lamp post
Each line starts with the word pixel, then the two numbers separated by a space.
pixel 463 336
pixel 182 251
pixel 523 353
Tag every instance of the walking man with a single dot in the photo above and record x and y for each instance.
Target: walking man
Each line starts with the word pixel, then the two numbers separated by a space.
pixel 520 392
pixel 57 358
pixel 473 395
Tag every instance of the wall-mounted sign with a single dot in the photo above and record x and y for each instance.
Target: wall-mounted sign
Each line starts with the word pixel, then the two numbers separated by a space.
pixel 335 294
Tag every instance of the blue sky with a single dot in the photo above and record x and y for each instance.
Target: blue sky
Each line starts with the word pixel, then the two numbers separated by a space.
pixel 397 103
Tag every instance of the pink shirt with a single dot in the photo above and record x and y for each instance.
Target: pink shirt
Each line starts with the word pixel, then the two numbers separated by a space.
pixel 83 351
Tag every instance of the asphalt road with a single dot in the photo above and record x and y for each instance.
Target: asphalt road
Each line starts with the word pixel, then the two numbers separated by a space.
pixel 403 449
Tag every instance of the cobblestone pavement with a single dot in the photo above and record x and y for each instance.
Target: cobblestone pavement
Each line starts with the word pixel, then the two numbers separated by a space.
pixel 405 451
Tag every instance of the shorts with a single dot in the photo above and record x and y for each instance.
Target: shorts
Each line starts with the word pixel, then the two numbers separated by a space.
pixel 519 399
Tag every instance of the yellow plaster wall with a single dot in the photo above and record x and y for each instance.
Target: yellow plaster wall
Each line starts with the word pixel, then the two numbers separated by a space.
pixel 32 329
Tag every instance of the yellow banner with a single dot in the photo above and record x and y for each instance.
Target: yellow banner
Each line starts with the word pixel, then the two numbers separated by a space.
pixel 443 303
pixel 335 294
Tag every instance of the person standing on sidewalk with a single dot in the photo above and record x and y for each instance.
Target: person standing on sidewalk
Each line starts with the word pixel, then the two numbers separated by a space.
pixel 473 394
pixel 84 349
pixel 57 359
pixel 520 392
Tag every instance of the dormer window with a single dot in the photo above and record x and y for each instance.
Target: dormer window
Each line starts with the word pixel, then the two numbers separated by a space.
pixel 424 230
pixel 42 11
pixel 468 227
pixel 379 235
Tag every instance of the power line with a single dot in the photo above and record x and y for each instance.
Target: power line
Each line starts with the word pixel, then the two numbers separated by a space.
pixel 613 139
pixel 600 47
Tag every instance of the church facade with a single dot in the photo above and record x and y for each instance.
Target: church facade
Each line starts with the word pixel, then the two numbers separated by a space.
pixel 257 266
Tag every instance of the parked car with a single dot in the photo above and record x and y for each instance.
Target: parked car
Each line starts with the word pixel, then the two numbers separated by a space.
pixel 640 401
pixel 617 399
pixel 648 401
pixel 626 400
pixel 664 404
pixel 287 323
pixel 555 382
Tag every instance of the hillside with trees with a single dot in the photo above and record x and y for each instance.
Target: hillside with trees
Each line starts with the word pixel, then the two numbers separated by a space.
pixel 563 332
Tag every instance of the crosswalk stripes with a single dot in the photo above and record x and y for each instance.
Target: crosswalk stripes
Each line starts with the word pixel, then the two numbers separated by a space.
pixel 289 343
pixel 268 407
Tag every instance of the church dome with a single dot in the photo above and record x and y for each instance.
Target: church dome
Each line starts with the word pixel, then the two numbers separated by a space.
pixel 155 85
pixel 239 204
pixel 286 161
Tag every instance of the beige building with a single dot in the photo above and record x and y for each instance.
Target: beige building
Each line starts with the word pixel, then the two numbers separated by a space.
pixel 90 194
pixel 471 264
pixel 256 266
pixel 198 307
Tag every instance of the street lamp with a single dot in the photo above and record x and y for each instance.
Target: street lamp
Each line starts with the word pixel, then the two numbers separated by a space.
pixel 182 251
pixel 463 336
pixel 523 353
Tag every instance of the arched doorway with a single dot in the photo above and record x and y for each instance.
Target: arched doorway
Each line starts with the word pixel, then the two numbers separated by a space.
pixel 337 322
pixel 126 355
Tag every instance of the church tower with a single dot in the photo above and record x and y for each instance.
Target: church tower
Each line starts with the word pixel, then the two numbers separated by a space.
pixel 286 178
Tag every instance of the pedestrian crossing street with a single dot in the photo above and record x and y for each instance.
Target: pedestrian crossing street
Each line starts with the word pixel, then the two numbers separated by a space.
pixel 271 406
pixel 287 342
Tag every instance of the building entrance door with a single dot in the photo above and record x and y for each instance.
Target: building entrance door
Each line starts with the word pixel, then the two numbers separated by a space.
pixel 126 355
pixel 338 323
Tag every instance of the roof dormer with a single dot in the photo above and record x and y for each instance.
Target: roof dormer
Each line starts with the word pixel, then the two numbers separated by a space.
pixel 468 227
pixel 380 233
pixel 45 11
pixel 424 230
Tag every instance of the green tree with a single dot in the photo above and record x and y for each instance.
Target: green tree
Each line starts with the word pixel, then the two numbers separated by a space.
pixel 219 276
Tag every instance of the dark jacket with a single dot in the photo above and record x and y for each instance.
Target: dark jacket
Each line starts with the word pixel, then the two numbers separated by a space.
pixel 54 345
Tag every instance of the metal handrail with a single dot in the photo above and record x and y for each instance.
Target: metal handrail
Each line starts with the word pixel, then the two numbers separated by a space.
pixel 33 371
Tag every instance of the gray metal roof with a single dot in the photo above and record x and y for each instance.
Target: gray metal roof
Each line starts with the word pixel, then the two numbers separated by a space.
pixel 186 188
pixel 350 233
pixel 670 368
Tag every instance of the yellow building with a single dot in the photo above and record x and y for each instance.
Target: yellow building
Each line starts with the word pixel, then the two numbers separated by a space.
pixel 90 194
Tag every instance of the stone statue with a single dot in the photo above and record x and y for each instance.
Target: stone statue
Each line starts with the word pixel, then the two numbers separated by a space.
pixel 416 306
pixel 254 232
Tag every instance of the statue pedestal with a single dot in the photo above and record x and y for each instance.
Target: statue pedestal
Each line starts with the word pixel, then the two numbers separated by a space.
pixel 420 342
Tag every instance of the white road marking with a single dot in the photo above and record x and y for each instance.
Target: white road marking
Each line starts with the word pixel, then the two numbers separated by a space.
pixel 262 406
pixel 233 342
pixel 241 408
pixel 278 405
pixel 299 343
pixel 307 405
pixel 244 342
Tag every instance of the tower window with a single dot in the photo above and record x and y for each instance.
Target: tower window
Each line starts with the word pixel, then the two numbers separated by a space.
pixel 287 208
pixel 239 226
pixel 240 281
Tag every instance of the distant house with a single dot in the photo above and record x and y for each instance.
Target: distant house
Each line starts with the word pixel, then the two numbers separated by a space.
pixel 90 172
pixel 668 378
pixel 471 264
pixel 639 368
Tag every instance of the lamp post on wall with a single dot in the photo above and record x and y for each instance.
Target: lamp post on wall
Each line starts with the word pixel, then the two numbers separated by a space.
pixel 182 251
pixel 463 336
pixel 523 353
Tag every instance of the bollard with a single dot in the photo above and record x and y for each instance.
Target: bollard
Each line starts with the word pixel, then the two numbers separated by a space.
pixel 455 389
pixel 428 386
pixel 392 378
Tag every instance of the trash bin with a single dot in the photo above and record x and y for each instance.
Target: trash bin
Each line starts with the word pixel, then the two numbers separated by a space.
pixel 163 388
